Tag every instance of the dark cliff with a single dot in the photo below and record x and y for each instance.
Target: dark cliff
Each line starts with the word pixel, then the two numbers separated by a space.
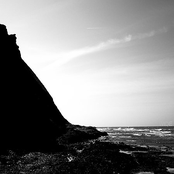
pixel 29 118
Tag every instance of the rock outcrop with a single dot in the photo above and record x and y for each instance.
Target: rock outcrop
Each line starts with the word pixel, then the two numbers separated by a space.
pixel 29 118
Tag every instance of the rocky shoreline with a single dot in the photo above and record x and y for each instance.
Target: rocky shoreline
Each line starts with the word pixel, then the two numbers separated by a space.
pixel 92 156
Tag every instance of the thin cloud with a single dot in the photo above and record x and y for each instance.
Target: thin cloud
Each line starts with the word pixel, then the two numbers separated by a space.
pixel 111 43
pixel 101 46
pixel 94 28
pixel 150 34
pixel 66 57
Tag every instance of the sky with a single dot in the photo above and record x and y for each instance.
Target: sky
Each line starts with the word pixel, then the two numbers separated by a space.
pixel 104 62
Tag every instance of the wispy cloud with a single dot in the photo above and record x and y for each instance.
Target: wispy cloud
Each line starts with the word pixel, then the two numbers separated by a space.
pixel 101 46
pixel 150 34
pixel 94 28
pixel 111 43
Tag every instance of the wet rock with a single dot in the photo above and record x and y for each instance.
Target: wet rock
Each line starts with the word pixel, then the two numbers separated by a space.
pixel 76 133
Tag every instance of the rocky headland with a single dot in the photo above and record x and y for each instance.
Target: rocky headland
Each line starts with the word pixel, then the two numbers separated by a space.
pixel 37 139
pixel 30 121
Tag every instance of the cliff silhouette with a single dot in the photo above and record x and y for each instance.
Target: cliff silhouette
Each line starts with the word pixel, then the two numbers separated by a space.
pixel 29 119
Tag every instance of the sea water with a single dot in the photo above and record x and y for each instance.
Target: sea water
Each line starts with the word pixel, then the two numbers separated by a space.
pixel 148 136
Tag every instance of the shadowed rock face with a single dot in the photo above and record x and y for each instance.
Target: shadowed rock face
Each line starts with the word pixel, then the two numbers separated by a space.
pixel 29 117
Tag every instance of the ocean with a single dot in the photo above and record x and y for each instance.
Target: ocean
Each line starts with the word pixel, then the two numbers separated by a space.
pixel 143 136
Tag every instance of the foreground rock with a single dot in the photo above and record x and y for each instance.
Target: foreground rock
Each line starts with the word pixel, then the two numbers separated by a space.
pixel 90 157
pixel 30 120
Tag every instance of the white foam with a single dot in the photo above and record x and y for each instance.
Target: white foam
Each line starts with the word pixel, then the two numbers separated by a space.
pixel 127 129
pixel 124 136
pixel 159 132
pixel 137 134
pixel 103 129
pixel 145 173
pixel 171 170
pixel 126 152
pixel 131 140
